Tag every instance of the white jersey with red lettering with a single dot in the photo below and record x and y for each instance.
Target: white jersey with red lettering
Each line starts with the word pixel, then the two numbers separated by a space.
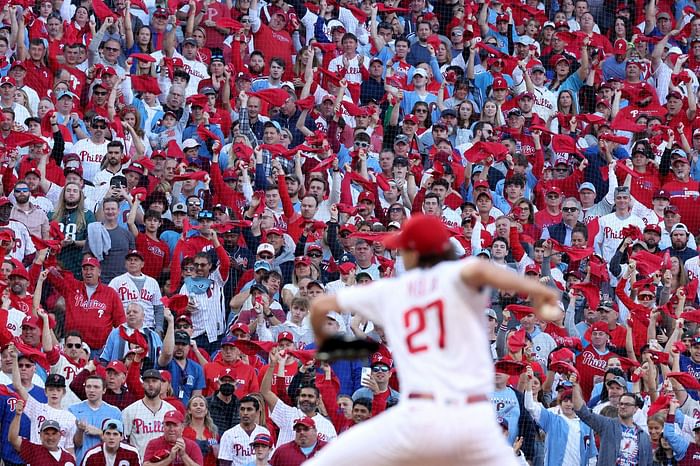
pixel 67 369
pixel 148 296
pixel 692 266
pixel 24 246
pixel 141 425
pixel 40 412
pixel 610 233
pixel 91 156
pixel 235 445
pixel 436 328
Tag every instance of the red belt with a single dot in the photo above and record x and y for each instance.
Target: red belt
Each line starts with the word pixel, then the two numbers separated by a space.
pixel 429 396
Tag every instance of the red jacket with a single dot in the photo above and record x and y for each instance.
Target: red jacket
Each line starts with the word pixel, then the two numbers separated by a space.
pixel 126 455
pixel 290 454
pixel 93 317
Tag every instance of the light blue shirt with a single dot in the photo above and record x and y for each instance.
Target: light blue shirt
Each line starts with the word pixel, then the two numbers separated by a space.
pixel 94 417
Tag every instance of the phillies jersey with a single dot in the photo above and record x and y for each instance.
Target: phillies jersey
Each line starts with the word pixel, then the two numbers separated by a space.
pixel 7 413
pixel 589 364
pixel 24 246
pixel 126 456
pixel 40 412
pixel 62 365
pixel 235 446
pixel 141 425
pixel 436 326
pixel 148 295
pixel 91 156
pixel 610 233
pixel 156 255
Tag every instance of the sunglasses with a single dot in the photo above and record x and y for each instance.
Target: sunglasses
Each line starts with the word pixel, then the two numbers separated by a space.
pixel 315 255
pixel 361 144
pixel 25 366
pixel 73 345
pixel 21 190
pixel 380 369
pixel 395 209
pixel 112 49
pixel 646 297
pixel 570 209
pixel 265 256
pixel 200 265
pixel 99 126
pixel 100 93
pixel 552 196
pixel 194 204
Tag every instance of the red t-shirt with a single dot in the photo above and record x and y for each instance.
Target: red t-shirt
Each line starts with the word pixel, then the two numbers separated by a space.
pixel 160 444
pixel 544 219
pixel 589 364
pixel 243 375
pixel 276 44
pixel 156 255
pixel 40 455
pixel 684 195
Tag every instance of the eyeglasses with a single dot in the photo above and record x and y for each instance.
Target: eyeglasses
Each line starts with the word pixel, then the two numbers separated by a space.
pixel 21 190
pixel 380 369
pixel 112 49
pixel 315 255
pixel 570 209
pixel 265 256
pixel 25 366
pixel 361 144
pixel 73 345
pixel 201 264
pixel 194 204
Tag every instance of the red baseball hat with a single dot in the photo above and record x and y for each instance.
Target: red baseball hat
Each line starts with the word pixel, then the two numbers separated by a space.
pixel 31 321
pixel 173 416
pixel 19 271
pixel 225 372
pixel 117 366
pixel 184 317
pixel 240 326
pixel 302 260
pixel 422 233
pixel 379 358
pixel 481 184
pixel 533 268
pixel 600 327
pixel 653 228
pixel 499 83
pixel 285 336
pixel 554 189
pixel 166 376
pixel 91 261
pixel 305 421
pixel 412 118
pixel 620 47
pixel 365 196
pixel 275 231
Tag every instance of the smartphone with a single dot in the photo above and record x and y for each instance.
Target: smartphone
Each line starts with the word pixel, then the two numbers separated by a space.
pixel 366 373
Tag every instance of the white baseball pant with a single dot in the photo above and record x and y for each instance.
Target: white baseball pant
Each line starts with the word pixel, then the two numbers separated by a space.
pixel 420 432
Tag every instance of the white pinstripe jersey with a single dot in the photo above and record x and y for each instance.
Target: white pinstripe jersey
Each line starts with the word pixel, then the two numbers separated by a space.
pixel 209 316
pixel 148 297
pixel 141 425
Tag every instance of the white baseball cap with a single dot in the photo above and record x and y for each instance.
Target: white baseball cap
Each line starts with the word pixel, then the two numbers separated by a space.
pixel 190 144
pixel 266 247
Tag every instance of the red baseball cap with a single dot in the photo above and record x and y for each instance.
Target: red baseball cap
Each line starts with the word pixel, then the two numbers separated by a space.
pixel 365 196
pixel 225 372
pixel 91 261
pixel 285 336
pixel 411 117
pixel 117 366
pixel 302 260
pixel 240 326
pixel 481 184
pixel 499 83
pixel 554 189
pixel 33 171
pixel 173 416
pixel 600 327
pixel 305 421
pixel 275 231
pixel 652 227
pixel 422 233
pixel 184 317
pixel 166 376
pixel 31 321
pixel 620 47
pixel 19 271
pixel 379 358
pixel 533 268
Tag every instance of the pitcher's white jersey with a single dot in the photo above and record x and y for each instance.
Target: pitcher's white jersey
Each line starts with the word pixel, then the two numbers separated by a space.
pixel 435 326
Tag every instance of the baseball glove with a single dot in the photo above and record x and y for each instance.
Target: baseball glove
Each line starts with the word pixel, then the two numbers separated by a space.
pixel 342 347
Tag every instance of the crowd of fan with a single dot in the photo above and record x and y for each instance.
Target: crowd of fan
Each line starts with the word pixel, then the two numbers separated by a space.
pixel 181 179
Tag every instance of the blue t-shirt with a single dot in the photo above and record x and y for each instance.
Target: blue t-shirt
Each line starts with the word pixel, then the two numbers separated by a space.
pixel 692 368
pixel 95 417
pixel 7 413
pixel 507 407
pixel 186 380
